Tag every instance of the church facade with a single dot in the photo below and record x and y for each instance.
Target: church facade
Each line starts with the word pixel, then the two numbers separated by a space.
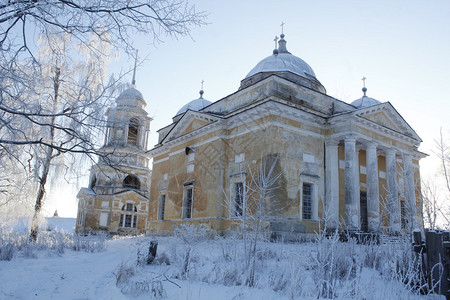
pixel 335 165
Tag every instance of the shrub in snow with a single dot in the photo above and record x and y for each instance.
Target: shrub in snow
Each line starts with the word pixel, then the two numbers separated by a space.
pixel 90 243
pixel 123 273
pixel 162 259
pixel 191 234
pixel 7 251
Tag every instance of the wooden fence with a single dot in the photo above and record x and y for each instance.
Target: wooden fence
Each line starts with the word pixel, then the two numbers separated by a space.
pixel 435 252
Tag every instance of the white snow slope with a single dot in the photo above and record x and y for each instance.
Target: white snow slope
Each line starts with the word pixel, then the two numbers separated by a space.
pixel 213 269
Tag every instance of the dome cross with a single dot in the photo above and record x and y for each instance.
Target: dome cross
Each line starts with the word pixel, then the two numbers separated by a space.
pixel 364 89
pixel 282 27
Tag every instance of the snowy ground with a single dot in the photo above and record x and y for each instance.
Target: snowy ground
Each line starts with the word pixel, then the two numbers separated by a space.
pixel 211 270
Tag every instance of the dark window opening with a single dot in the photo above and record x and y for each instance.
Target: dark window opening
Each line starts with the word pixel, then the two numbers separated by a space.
pixel 133 130
pixel 128 221
pixel 238 199
pixel 162 203
pixel 93 182
pixel 363 210
pixel 131 182
pixel 403 212
pixel 307 201
pixel 187 209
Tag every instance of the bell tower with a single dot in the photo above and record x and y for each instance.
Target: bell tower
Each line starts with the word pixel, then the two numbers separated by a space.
pixel 118 194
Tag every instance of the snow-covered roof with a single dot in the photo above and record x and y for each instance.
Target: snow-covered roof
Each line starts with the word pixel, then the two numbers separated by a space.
pixel 131 93
pixel 365 101
pixel 131 97
pixel 282 60
pixel 195 105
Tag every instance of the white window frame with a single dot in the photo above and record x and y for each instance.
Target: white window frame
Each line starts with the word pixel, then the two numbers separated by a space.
pixel 125 213
pixel 314 181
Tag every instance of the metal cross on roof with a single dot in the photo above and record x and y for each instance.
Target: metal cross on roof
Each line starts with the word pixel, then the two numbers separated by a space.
pixel 282 27
pixel 275 40
pixel 364 81
pixel 202 83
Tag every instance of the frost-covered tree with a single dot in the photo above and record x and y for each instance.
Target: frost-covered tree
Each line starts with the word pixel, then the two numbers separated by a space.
pixel 436 196
pixel 68 100
pixel 51 98
pixel 113 21
pixel 256 205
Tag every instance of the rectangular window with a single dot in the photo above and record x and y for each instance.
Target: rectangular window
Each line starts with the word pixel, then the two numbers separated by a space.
pixel 238 158
pixel 187 207
pixel 128 219
pixel 307 191
pixel 403 212
pixel 129 206
pixel 238 199
pixel 103 219
pixel 363 210
pixel 80 218
pixel 162 206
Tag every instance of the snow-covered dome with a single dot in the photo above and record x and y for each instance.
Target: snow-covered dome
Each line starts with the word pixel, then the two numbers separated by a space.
pixel 131 93
pixel 196 105
pixel 282 60
pixel 131 97
pixel 365 101
pixel 285 65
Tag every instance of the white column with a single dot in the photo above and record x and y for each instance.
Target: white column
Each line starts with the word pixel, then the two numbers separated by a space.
pixel 410 189
pixel 351 188
pixel 373 193
pixel 332 188
pixel 393 204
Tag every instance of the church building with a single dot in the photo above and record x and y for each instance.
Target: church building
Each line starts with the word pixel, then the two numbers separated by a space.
pixel 117 198
pixel 352 166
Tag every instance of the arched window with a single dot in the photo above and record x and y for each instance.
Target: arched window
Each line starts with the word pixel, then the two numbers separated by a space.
pixel 133 131
pixel 93 181
pixel 131 182
pixel 126 218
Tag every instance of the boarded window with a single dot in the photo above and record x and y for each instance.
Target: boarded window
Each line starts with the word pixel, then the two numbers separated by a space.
pixel 103 219
pixel 307 191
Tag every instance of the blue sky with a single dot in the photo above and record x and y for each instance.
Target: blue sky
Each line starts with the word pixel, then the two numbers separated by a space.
pixel 402 47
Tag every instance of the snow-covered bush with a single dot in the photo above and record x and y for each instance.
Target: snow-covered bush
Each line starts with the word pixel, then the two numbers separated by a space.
pixel 90 243
pixel 191 234
pixel 7 251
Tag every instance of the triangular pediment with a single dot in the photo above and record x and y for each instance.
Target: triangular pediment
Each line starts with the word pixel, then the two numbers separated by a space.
pixel 386 115
pixel 189 122
pixel 130 195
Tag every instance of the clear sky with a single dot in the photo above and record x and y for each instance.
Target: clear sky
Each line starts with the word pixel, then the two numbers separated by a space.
pixel 402 47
